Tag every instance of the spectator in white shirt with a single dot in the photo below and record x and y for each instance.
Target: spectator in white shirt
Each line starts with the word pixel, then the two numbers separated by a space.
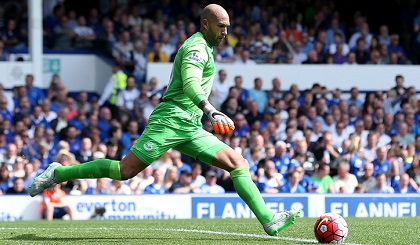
pixel 197 180
pixel 210 187
pixel 344 181
pixel 359 127
pixel 9 97
pixel 334 28
pixel 271 36
pixel 291 125
pixel 84 34
pixel 316 130
pixel 126 97
pixel 328 124
pixel 392 102
pixel 46 110
pixel 139 182
pixel 244 59
pixel 153 87
pixel 140 62
pixel 381 185
pixel 363 33
pixel 384 37
pixel 123 48
pixel 167 47
pixel 338 39
pixel 370 149
pixel 149 107
pixel 119 187
pixel 220 89
pixel 383 139
pixel 297 54
pixel 272 180
pixel 9 158
pixel 134 18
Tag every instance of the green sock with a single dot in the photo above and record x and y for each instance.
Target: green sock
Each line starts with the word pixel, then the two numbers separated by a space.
pixel 249 192
pixel 99 168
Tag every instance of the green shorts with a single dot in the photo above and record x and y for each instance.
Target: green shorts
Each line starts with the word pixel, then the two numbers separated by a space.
pixel 171 126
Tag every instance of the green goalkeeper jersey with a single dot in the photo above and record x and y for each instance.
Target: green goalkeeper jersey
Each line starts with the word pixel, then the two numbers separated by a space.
pixel 192 74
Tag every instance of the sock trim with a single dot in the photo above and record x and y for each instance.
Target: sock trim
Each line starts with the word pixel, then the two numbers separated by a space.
pixel 240 172
pixel 114 170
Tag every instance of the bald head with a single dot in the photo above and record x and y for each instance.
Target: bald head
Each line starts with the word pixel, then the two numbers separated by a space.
pixel 214 23
pixel 212 12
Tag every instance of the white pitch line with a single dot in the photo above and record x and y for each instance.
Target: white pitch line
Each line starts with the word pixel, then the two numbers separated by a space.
pixel 239 234
pixel 183 230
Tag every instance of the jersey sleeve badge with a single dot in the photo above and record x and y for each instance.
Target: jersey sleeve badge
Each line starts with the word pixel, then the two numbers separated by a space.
pixel 195 57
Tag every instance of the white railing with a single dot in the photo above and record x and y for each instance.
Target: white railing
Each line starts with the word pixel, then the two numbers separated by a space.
pixel 365 77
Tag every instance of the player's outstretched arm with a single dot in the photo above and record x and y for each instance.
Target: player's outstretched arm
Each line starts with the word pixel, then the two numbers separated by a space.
pixel 192 67
pixel 222 124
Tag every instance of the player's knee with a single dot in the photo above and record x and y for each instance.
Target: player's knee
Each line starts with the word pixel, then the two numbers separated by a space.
pixel 245 163
pixel 127 173
pixel 130 166
pixel 240 162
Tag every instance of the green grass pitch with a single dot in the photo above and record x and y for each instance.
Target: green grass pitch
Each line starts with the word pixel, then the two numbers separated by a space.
pixel 201 231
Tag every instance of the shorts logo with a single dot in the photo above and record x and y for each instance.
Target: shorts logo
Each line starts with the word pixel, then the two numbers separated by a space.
pixel 148 146
pixel 195 57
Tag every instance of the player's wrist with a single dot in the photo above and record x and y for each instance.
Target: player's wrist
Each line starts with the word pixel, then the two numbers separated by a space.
pixel 199 100
pixel 208 108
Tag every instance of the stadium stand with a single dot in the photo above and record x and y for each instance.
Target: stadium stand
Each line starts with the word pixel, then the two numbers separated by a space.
pixel 314 135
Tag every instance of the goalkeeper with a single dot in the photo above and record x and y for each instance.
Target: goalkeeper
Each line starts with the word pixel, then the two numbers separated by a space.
pixel 176 123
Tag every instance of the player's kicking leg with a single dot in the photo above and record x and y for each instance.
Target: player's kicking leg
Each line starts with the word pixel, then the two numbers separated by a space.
pixel 145 151
pixel 238 167
pixel 129 167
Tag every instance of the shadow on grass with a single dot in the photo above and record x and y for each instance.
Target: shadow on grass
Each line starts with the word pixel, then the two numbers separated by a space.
pixel 35 238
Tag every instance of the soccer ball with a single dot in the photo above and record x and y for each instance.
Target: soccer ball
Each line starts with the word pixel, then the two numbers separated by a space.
pixel 331 228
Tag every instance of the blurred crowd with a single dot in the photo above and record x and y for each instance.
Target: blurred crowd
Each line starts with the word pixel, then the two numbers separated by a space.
pixel 296 140
pixel 282 32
